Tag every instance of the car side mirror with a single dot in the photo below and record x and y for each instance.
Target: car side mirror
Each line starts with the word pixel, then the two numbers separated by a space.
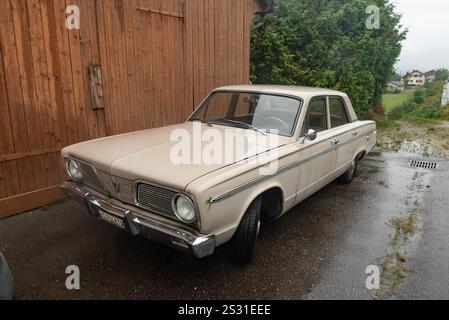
pixel 311 135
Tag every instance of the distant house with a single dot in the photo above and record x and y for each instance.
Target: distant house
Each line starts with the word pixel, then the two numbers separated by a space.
pixel 414 78
pixel 395 86
pixel 430 76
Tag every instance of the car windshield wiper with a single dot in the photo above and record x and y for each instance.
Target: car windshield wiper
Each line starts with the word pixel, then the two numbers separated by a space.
pixel 243 124
pixel 202 121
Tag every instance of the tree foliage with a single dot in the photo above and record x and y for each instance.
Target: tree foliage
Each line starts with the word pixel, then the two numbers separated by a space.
pixel 442 74
pixel 325 43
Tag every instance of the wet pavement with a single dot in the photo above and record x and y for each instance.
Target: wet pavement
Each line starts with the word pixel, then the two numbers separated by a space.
pixel 319 250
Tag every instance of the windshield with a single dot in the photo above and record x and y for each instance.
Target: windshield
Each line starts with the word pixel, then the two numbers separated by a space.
pixel 264 112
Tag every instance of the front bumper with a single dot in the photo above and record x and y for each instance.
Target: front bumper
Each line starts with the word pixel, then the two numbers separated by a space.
pixel 139 222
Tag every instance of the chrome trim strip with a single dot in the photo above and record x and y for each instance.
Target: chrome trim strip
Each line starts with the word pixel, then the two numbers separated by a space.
pixel 283 169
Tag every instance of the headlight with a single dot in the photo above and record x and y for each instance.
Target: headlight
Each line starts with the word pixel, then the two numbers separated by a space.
pixel 74 170
pixel 184 208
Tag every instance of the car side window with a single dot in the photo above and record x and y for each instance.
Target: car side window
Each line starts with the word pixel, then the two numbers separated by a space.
pixel 338 113
pixel 316 116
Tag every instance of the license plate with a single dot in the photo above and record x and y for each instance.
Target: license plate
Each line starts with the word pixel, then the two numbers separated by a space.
pixel 111 219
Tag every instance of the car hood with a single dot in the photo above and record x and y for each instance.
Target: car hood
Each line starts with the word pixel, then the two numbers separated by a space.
pixel 148 155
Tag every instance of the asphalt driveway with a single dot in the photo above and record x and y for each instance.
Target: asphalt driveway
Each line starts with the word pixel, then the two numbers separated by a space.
pixel 319 250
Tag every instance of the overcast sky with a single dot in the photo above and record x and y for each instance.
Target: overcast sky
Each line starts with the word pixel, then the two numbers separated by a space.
pixel 427 44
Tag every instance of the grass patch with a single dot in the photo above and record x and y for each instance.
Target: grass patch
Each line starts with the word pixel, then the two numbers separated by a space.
pixel 393 100
pixel 421 106
pixel 394 272
pixel 405 227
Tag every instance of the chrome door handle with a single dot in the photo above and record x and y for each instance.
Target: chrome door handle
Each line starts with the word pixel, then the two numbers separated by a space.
pixel 355 133
pixel 335 142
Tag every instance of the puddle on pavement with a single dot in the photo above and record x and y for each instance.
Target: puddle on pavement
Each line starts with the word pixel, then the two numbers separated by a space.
pixel 409 148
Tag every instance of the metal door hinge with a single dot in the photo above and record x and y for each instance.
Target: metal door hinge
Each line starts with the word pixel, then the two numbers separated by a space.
pixel 96 87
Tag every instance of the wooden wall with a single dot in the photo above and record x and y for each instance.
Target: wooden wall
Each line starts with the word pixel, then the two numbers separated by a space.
pixel 158 58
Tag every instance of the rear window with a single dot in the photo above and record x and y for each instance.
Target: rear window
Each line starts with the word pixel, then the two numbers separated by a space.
pixel 338 113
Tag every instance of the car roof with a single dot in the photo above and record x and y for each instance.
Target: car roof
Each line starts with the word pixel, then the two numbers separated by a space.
pixel 298 91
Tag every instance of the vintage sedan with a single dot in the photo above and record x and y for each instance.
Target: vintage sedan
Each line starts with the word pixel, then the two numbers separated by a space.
pixel 164 185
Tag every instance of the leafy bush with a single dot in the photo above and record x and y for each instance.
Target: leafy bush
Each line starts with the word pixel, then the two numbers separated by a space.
pixel 444 113
pixel 418 96
pixel 405 108
pixel 442 74
pixel 426 112
pixel 325 43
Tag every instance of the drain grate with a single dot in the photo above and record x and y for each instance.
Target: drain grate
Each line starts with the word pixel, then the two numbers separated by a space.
pixel 424 164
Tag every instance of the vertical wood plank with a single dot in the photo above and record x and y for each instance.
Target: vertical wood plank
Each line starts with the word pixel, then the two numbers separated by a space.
pixel 210 47
pixel 66 80
pixel 140 65
pixel 11 73
pixel 41 85
pixel 157 53
pixel 95 57
pixel 201 54
pixel 113 78
pixel 86 44
pixel 77 78
pixel 8 48
pixel 172 54
pixel 239 34
pixel 179 68
pixel 119 27
pixel 11 178
pixel 104 58
pixel 26 72
pixel 7 145
pixel 40 74
pixel 33 175
pixel 53 71
pixel 134 108
pixel 150 91
pixel 248 16
pixel 188 65
pixel 2 183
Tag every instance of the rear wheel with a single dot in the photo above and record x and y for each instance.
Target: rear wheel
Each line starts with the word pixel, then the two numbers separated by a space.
pixel 243 244
pixel 349 175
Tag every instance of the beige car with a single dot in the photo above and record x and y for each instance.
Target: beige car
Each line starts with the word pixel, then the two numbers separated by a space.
pixel 167 185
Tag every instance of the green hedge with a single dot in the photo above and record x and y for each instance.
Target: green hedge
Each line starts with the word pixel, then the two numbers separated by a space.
pixel 325 43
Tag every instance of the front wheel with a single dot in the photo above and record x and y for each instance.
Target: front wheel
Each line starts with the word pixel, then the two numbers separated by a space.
pixel 348 176
pixel 243 244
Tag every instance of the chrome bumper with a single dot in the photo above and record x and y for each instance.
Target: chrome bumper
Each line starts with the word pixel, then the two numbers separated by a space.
pixel 140 223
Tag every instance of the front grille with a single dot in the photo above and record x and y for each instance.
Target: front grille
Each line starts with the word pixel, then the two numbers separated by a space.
pixel 118 188
pixel 156 198
pixel 90 177
pixel 148 196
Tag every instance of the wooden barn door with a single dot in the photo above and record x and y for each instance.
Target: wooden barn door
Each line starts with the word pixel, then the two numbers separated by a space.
pixel 142 53
pixel 133 64
pixel 45 99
